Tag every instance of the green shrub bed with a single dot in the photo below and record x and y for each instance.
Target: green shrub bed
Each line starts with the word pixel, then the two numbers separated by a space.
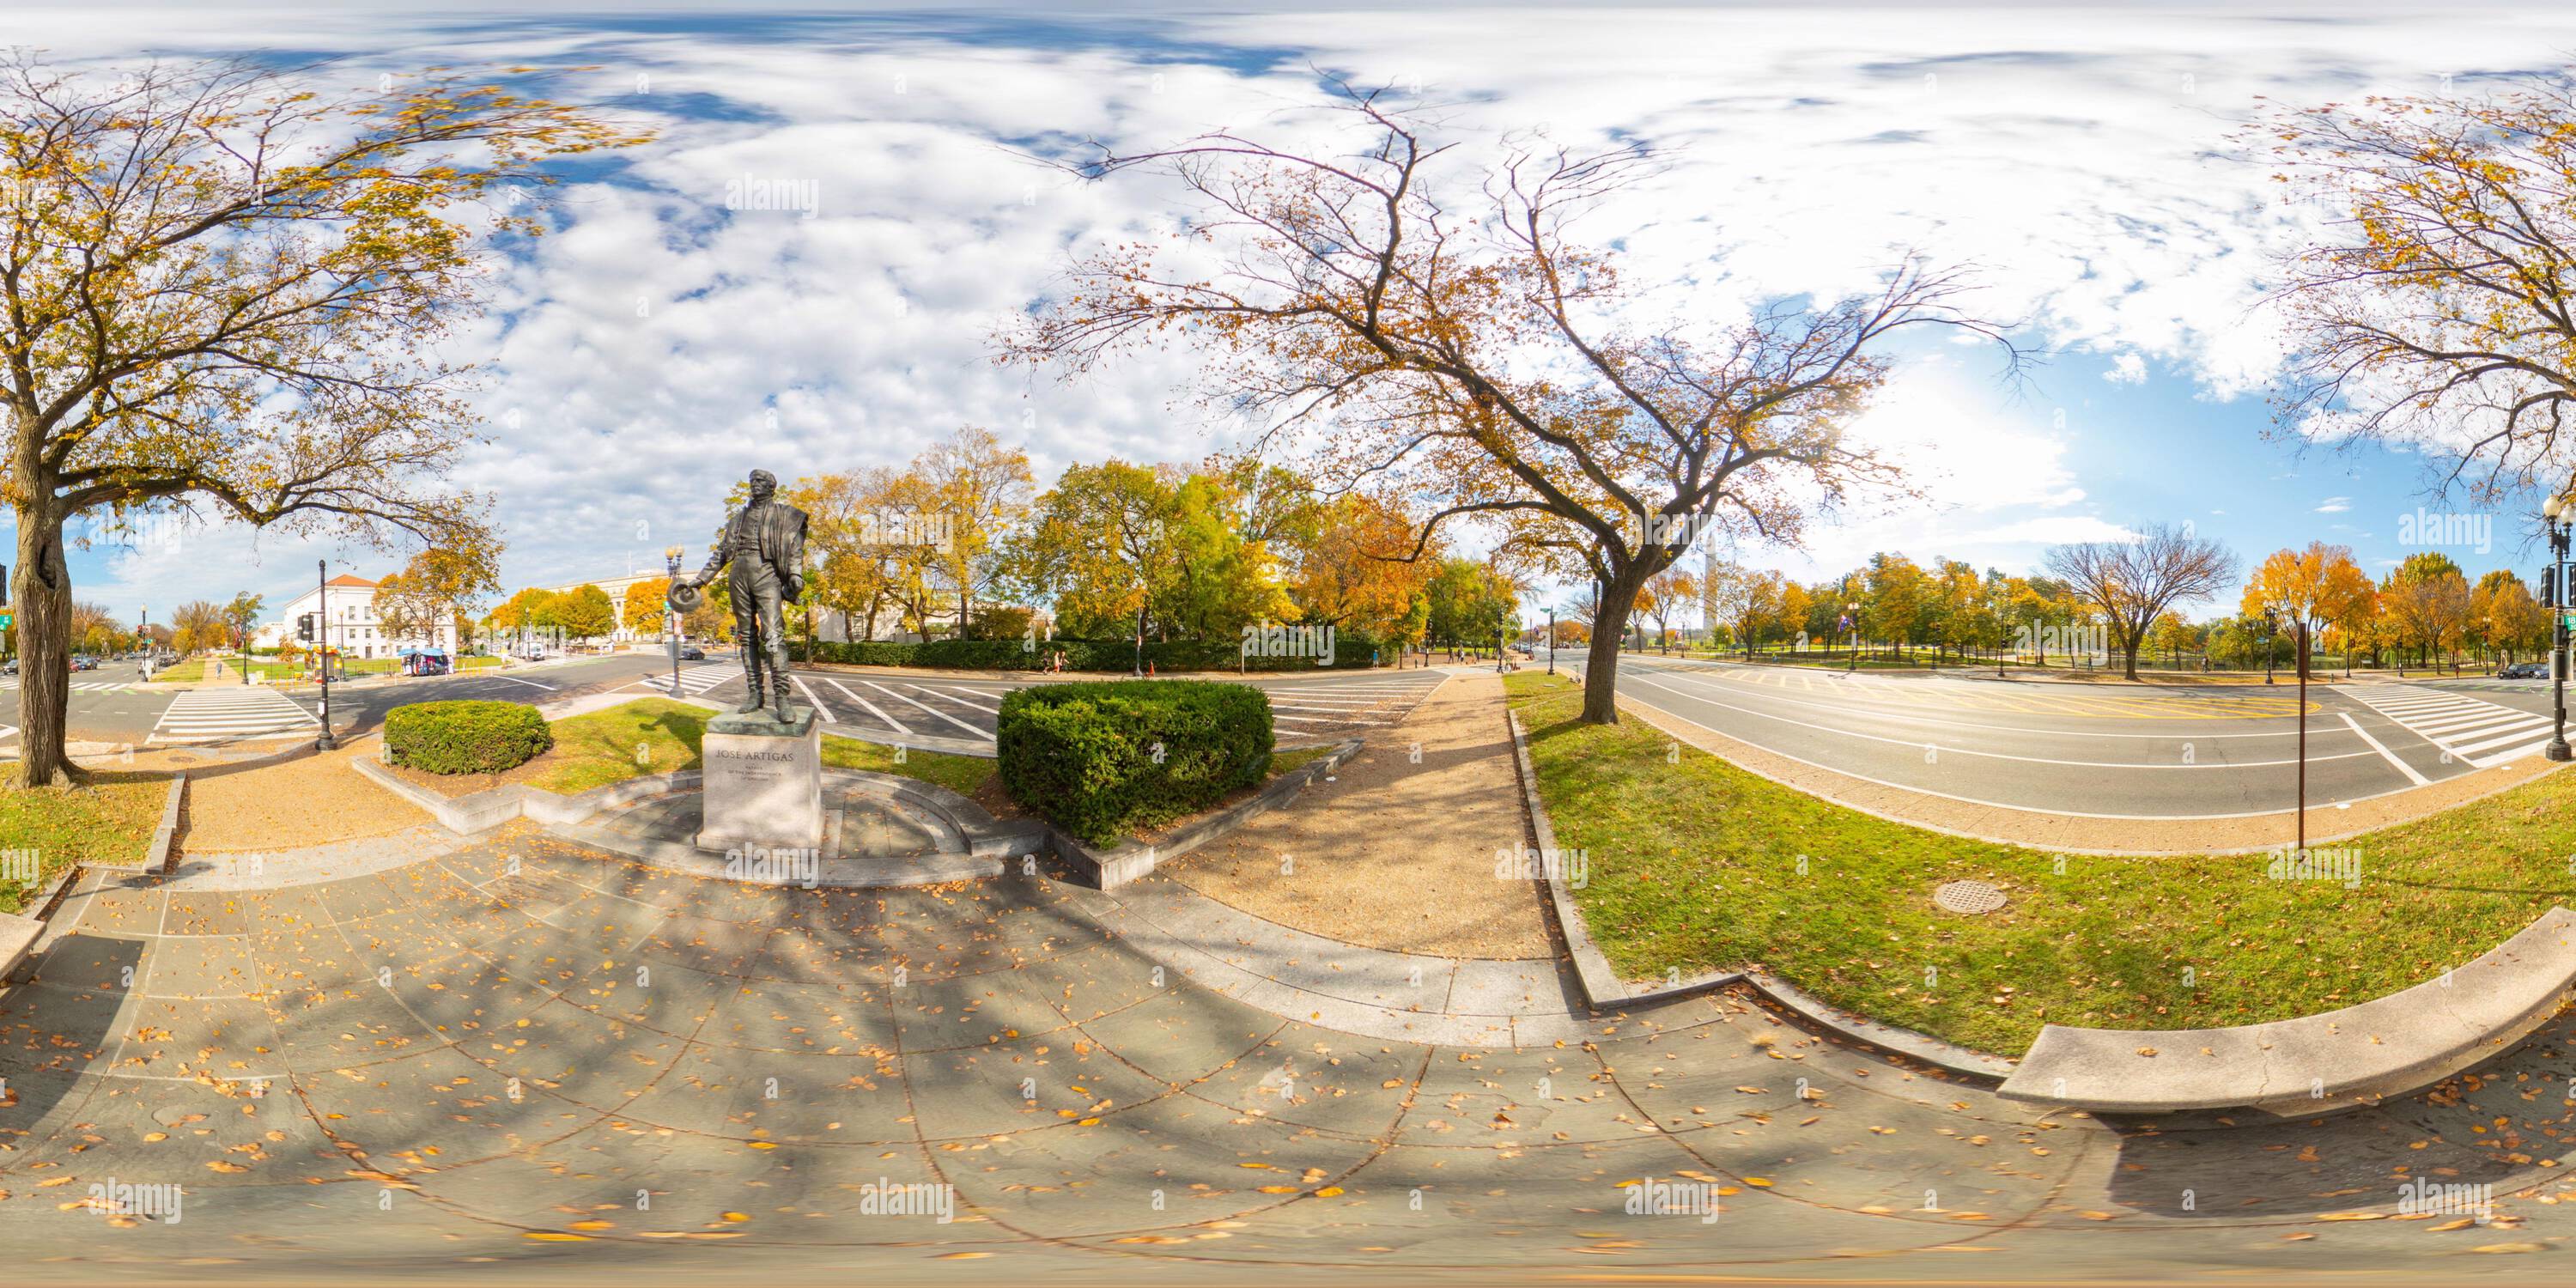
pixel 1098 759
pixel 465 737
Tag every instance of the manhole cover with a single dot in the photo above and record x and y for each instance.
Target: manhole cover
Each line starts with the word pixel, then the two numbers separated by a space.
pixel 1971 897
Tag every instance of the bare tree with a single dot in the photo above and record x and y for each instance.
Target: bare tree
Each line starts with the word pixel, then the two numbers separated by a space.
pixel 2133 582
pixel 1470 352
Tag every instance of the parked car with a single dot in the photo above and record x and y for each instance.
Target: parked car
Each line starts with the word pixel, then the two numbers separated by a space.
pixel 692 653
pixel 81 662
pixel 2528 671
pixel 9 667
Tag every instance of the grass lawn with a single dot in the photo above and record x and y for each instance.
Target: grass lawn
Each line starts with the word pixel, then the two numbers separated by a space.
pixel 111 819
pixel 188 672
pixel 1696 865
pixel 657 735
pixel 477 663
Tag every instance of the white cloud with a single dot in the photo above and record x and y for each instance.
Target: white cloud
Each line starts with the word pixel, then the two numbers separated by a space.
pixel 2335 505
pixel 2076 157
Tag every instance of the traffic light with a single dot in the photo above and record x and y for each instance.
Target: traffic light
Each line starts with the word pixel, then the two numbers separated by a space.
pixel 2549 587
pixel 304 627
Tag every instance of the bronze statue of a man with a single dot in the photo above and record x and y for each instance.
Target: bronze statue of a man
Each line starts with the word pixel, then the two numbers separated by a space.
pixel 765 543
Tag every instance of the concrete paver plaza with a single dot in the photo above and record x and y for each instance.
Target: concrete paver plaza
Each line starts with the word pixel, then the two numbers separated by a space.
pixel 514 1050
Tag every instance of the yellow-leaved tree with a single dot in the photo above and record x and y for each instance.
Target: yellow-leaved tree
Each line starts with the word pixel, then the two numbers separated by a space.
pixel 222 290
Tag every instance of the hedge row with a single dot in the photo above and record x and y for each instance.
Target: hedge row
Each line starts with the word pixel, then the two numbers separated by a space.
pixel 1101 758
pixel 1351 651
pixel 465 737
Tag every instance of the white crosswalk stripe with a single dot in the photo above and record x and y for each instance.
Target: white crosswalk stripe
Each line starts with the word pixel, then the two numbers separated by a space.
pixel 79 686
pixel 2469 729
pixel 696 679
pixel 220 715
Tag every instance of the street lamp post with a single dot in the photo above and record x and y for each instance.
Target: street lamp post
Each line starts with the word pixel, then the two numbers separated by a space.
pixel 2554 513
pixel 1551 641
pixel 144 627
pixel 322 642
pixel 671 560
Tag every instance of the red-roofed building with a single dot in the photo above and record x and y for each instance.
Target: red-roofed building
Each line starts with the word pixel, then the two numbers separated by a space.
pixel 347 606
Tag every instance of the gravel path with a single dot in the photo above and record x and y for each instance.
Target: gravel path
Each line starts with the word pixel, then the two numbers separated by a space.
pixel 1396 854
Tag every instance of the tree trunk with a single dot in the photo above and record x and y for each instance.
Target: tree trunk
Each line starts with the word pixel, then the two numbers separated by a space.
pixel 42 602
pixel 2129 650
pixel 1601 683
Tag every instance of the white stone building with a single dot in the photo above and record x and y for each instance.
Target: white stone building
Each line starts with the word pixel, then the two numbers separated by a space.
pixel 347 608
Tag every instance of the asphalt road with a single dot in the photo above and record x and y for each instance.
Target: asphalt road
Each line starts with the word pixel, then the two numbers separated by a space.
pixel 2105 751
pixel 106 707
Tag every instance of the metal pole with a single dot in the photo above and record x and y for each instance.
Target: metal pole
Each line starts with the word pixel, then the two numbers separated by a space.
pixel 2557 749
pixel 1551 641
pixel 2303 733
pixel 322 612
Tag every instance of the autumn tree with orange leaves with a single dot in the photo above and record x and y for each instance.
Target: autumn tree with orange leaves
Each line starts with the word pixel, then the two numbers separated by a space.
pixel 222 289
pixel 2304 590
pixel 1404 320
pixel 2432 305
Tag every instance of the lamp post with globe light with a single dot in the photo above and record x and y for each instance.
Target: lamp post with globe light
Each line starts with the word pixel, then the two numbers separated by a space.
pixel 2554 514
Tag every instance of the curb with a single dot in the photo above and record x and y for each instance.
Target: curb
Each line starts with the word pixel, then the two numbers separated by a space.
pixel 2352 1057
pixel 1129 861
pixel 1605 991
pixel 19 931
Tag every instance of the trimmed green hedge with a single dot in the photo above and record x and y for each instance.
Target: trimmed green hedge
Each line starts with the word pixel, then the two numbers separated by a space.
pixel 1102 757
pixel 1351 651
pixel 465 737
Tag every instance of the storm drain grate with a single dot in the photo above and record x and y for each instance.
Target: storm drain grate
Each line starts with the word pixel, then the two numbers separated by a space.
pixel 1971 897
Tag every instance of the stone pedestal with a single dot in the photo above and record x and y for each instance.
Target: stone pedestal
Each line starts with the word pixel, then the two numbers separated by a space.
pixel 763 782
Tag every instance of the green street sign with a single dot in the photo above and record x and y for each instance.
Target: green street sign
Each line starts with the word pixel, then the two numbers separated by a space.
pixel 7 620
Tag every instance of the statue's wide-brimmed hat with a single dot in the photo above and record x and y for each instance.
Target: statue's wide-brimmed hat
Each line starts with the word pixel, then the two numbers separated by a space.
pixel 684 598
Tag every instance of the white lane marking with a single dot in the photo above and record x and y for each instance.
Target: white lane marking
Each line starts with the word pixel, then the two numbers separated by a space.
pixel 2024 730
pixel 2463 727
pixel 1992 755
pixel 799 682
pixel 1320 720
pixel 954 698
pixel 530 683
pixel 1971 800
pixel 932 710
pixel 872 707
pixel 2384 752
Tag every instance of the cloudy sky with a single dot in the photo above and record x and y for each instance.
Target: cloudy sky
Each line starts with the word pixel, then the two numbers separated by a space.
pixel 660 343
